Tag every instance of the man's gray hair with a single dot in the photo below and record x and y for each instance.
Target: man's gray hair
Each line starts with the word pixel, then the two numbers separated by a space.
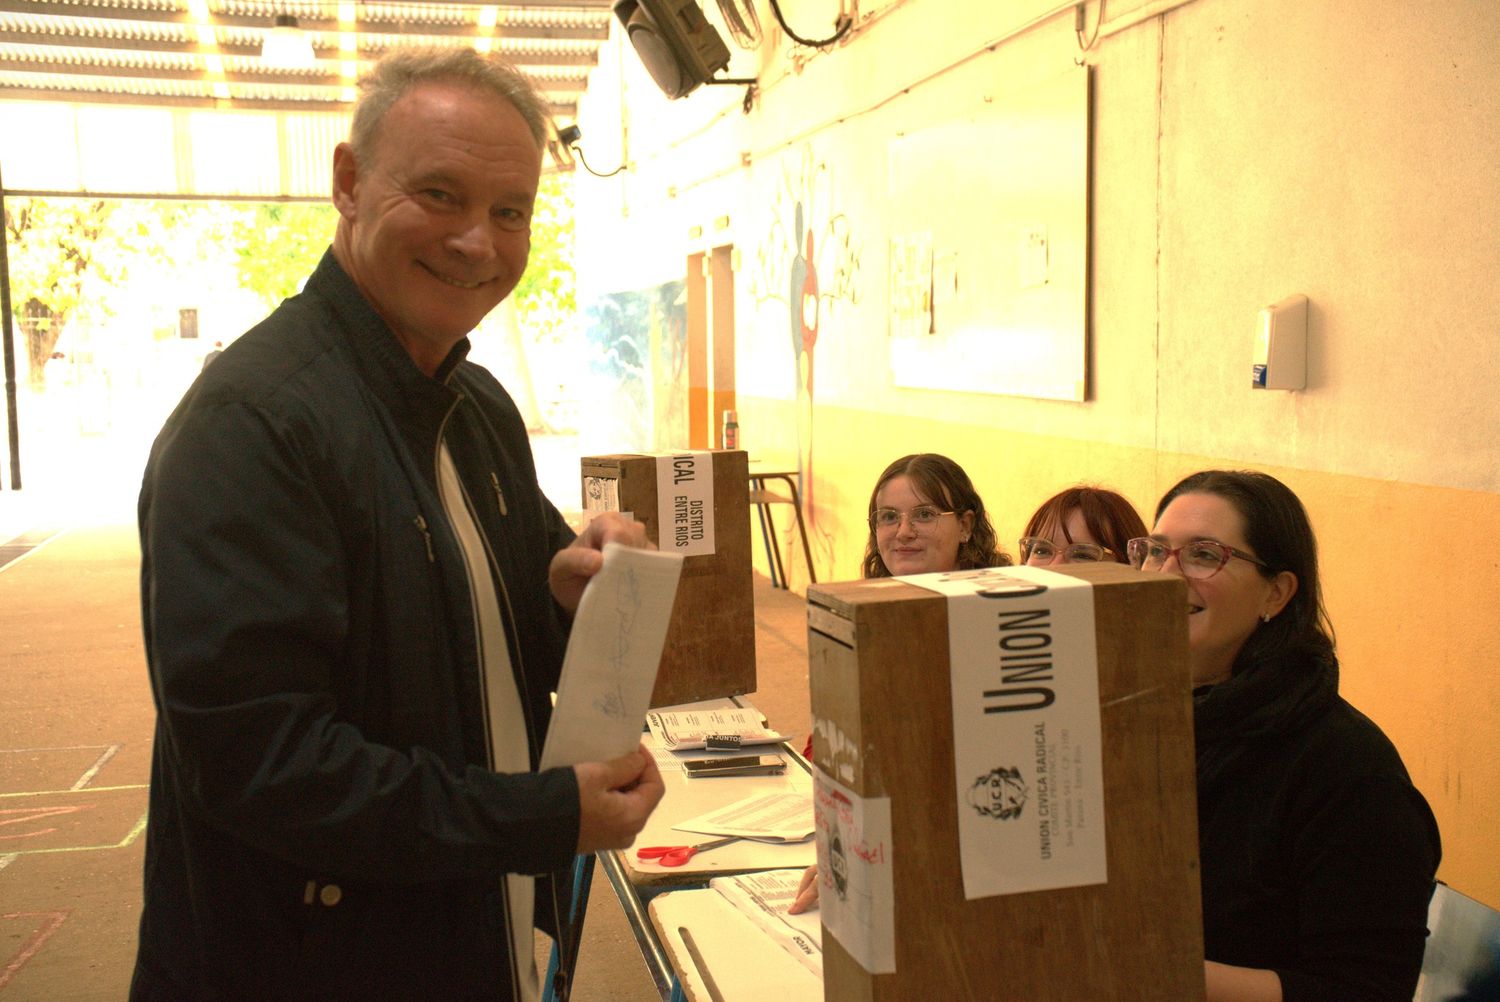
pixel 394 75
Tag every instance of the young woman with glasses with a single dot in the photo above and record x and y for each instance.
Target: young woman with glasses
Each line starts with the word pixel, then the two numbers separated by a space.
pixel 926 516
pixel 1080 525
pixel 1317 853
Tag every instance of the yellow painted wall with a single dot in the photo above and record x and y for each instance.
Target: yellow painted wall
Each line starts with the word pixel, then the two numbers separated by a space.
pixel 1419 650
pixel 1243 150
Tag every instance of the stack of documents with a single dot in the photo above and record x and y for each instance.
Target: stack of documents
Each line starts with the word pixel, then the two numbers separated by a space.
pixel 686 730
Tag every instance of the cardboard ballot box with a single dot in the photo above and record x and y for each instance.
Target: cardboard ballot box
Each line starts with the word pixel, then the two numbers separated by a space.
pixel 697 504
pixel 997 817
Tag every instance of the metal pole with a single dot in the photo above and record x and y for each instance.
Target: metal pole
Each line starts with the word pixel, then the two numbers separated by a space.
pixel 9 348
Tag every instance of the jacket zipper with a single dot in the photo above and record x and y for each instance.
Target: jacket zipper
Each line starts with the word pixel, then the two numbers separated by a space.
pixel 421 524
pixel 564 919
pixel 499 494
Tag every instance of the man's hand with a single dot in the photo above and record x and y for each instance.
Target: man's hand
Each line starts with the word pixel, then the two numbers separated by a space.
pixel 573 566
pixel 615 798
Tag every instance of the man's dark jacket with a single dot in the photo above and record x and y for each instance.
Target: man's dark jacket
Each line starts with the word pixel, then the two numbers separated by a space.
pixel 323 823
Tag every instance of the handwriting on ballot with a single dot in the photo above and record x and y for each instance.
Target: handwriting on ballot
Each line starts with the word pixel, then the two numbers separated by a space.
pixel 610 665
pixel 685 503
pixel 856 888
pixel 1028 767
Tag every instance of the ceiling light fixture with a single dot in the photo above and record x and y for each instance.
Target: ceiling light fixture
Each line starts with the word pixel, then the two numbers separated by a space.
pixel 288 47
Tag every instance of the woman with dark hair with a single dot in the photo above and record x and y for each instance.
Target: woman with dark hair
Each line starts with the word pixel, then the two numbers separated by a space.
pixel 925 516
pixel 1080 525
pixel 1317 852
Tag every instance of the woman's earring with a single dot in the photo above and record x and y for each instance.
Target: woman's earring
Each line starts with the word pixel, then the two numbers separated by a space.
pixel 1265 617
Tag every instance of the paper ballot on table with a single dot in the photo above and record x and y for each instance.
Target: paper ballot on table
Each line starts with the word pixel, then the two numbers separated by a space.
pixel 613 653
pixel 764 898
pixel 771 817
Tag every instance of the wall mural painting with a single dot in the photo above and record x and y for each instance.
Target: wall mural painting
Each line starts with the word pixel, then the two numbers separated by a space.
pixel 809 261
pixel 637 343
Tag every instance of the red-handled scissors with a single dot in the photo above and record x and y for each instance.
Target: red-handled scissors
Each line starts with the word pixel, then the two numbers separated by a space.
pixel 677 855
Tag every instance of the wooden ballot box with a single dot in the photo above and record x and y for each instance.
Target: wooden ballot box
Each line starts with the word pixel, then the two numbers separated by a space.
pixel 884 710
pixel 710 647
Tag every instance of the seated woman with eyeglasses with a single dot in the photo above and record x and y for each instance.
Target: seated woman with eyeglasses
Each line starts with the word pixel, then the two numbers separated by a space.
pixel 1317 853
pixel 926 516
pixel 1080 525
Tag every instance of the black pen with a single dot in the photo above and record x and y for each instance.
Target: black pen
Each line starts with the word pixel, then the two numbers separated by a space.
pixel 708 979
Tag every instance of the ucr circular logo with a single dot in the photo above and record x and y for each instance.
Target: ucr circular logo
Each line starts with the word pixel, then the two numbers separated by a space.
pixel 838 866
pixel 999 793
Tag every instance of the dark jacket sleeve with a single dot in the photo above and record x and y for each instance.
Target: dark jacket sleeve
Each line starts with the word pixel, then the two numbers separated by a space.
pixel 247 621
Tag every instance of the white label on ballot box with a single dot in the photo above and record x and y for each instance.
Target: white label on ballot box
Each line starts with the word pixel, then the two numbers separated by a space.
pixel 1026 742
pixel 601 494
pixel 855 891
pixel 685 503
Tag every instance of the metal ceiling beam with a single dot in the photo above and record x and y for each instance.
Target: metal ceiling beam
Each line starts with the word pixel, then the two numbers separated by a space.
pixel 565 110
pixel 293 78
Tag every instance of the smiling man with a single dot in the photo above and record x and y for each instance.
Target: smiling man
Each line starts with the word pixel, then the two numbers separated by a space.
pixel 356 601
pixel 435 211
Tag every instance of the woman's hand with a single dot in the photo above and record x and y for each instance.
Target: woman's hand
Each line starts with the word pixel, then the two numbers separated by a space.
pixel 807 892
pixel 1240 984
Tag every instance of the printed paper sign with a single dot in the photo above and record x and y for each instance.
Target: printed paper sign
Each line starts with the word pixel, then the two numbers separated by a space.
pixel 1027 748
pixel 601 494
pixel 855 890
pixel 685 503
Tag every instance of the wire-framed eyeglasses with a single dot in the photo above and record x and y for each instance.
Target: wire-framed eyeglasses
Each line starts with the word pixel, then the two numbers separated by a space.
pixel 1201 558
pixel 922 517
pixel 1035 549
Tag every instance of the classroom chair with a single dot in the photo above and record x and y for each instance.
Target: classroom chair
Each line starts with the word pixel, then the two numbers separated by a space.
pixel 1462 960
pixel 762 498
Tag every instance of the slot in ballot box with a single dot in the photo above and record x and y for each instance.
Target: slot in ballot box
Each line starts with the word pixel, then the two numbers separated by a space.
pixel 998 818
pixel 696 504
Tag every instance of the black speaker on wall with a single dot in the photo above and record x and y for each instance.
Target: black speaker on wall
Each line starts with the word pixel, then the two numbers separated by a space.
pixel 678 46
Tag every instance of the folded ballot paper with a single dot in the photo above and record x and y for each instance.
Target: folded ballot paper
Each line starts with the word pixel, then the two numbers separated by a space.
pixel 610 667
pixel 724 729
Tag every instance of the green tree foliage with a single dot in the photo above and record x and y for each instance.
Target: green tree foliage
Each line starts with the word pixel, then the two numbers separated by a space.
pixel 280 245
pixel 52 245
pixel 545 296
pixel 67 256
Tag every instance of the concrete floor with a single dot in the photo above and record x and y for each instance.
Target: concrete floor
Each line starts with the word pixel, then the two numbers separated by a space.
pixel 75 739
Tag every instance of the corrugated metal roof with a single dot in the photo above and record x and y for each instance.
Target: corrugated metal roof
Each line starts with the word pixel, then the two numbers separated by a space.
pixel 172 97
pixel 207 52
